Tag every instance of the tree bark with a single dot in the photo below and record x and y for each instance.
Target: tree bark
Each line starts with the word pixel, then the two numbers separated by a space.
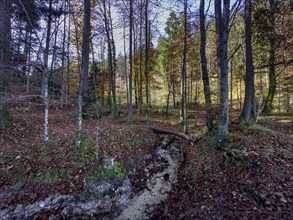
pixel 222 30
pixel 183 77
pixel 204 70
pixel 63 59
pixel 114 65
pixel 268 107
pixel 125 65
pixel 140 59
pixel 130 107
pixel 45 76
pixel 83 89
pixel 147 62
pixel 249 79
pixel 85 48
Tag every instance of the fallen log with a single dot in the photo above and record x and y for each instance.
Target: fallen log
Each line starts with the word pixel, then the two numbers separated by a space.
pixel 165 131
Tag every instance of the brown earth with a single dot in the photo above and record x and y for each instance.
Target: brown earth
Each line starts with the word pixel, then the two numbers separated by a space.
pixel 251 178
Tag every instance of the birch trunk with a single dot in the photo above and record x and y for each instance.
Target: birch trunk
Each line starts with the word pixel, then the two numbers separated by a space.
pixel 45 76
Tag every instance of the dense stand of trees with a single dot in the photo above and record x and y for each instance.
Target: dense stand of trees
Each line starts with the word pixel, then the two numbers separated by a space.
pixel 69 49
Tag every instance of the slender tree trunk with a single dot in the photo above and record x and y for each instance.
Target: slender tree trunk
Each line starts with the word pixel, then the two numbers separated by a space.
pixel 85 48
pixel 28 62
pixel 204 70
pixel 222 30
pixel 241 92
pixel 173 79
pixel 249 80
pixel 95 71
pixel 135 73
pixel 183 76
pixel 63 59
pixel 272 79
pixel 238 99
pixel 45 76
pixel 103 75
pixel 130 107
pixel 68 55
pixel 169 93
pixel 268 107
pixel 173 93
pixel 54 56
pixel 231 83
pixel 140 59
pixel 125 65
pixel 19 38
pixel 147 62
pixel 26 49
pixel 83 89
pixel 110 65
pixel 114 65
pixel 191 84
pixel 288 95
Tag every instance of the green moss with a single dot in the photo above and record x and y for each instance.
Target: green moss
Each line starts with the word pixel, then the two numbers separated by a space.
pixel 99 172
pixel 85 152
pixel 21 178
pixel 51 175
pixel 268 151
pixel 5 116
pixel 233 157
pixel 43 153
pixel 204 149
pixel 258 129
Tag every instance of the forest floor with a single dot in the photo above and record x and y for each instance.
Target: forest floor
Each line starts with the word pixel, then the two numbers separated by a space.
pixel 251 178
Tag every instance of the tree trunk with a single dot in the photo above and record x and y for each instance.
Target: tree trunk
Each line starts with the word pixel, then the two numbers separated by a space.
pixel 63 59
pixel 249 79
pixel 45 76
pixel 125 65
pixel 114 65
pixel 68 55
pixel 272 79
pixel 83 89
pixel 28 60
pixel 231 83
pixel 204 70
pixel 110 65
pixel 183 77
pixel 140 58
pixel 272 75
pixel 85 48
pixel 95 71
pixel 222 30
pixel 130 107
pixel 135 73
pixel 146 62
pixel 54 56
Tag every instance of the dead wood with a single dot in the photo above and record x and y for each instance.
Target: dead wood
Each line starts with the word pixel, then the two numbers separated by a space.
pixel 165 131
